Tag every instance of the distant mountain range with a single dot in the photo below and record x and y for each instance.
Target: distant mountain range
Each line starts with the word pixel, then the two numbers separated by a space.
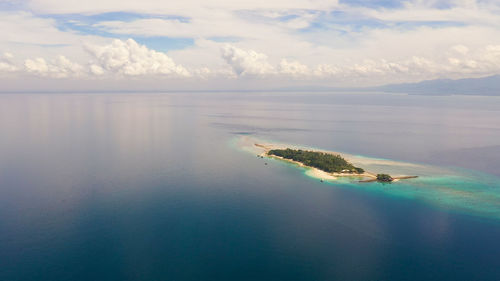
pixel 486 86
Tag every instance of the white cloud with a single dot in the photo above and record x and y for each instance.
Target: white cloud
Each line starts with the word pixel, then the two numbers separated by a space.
pixel 132 59
pixel 127 58
pixel 326 70
pixel 469 13
pixel 31 36
pixel 96 70
pixel 459 61
pixel 246 62
pixel 58 68
pixel 24 27
pixel 166 7
pixel 284 40
pixel 460 49
pixel 293 68
pixel 7 64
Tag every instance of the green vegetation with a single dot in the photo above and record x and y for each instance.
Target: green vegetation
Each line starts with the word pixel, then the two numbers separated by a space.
pixel 384 177
pixel 330 163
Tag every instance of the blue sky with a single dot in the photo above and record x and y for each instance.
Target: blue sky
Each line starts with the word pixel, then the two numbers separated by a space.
pixel 85 25
pixel 219 42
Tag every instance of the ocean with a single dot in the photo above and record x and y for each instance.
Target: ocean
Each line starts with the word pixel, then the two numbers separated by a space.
pixel 162 186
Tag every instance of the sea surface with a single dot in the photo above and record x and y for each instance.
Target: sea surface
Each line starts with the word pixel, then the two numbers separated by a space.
pixel 162 186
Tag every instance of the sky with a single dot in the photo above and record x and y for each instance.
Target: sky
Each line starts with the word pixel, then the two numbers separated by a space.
pixel 243 45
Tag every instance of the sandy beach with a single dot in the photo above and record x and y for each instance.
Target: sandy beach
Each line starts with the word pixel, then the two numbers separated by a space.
pixel 367 176
pixel 314 172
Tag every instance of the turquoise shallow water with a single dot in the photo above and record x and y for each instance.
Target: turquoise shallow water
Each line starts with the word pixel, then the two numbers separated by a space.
pixel 155 187
pixel 456 189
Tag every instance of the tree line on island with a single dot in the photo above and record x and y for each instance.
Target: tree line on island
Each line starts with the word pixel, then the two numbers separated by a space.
pixel 331 163
pixel 384 177
pixel 328 162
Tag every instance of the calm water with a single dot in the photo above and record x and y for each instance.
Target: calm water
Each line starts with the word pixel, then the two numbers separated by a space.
pixel 153 187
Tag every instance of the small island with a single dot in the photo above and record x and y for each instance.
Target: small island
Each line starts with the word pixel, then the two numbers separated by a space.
pixel 325 165
pixel 384 178
pixel 330 163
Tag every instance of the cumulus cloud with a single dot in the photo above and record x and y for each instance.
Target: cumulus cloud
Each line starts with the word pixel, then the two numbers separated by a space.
pixel 246 62
pixel 326 70
pixel 483 60
pixel 128 58
pixel 7 64
pixel 293 68
pixel 132 59
pixel 459 61
pixel 58 68
pixel 285 40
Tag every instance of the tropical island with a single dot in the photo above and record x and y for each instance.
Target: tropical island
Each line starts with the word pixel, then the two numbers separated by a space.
pixel 384 178
pixel 331 163
pixel 325 165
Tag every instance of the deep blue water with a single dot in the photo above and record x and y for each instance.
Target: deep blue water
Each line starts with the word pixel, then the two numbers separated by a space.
pixel 152 187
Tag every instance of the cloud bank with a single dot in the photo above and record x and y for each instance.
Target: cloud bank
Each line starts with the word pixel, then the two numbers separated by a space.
pixel 289 42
